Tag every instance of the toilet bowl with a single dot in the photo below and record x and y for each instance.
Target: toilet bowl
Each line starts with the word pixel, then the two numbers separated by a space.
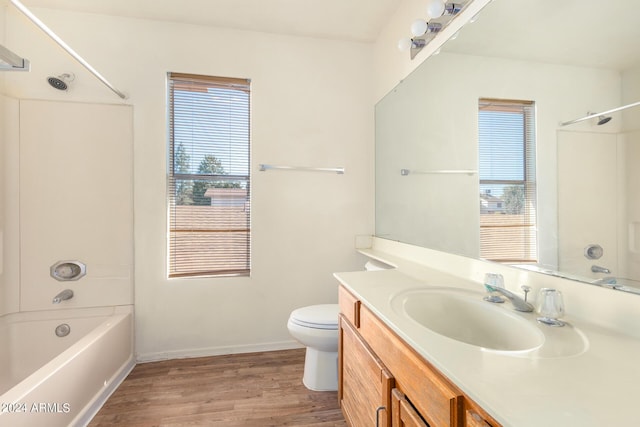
pixel 316 327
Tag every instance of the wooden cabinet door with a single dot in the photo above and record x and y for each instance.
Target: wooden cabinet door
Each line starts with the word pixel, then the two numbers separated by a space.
pixel 439 402
pixel 403 414
pixel 365 384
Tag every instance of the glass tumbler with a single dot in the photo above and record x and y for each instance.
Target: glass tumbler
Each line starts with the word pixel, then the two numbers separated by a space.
pixel 550 307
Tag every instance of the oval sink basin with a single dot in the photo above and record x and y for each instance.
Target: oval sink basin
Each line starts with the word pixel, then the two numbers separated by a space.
pixel 462 315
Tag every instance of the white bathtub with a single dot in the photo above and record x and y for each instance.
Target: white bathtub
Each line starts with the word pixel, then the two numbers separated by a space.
pixel 50 381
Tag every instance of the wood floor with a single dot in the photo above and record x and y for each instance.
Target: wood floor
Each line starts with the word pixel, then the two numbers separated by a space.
pixel 257 389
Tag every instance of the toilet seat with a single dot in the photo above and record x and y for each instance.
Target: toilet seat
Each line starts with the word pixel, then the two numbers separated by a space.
pixel 322 316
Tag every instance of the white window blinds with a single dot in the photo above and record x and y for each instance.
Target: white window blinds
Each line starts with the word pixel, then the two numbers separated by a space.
pixel 209 176
pixel 508 230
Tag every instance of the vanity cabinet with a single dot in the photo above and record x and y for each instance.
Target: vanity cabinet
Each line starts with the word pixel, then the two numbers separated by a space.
pixel 374 360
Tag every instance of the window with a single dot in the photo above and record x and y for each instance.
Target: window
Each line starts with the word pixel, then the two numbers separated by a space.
pixel 209 176
pixel 508 230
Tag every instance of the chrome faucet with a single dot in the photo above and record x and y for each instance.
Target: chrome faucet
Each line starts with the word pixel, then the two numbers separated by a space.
pixel 63 296
pixel 494 283
pixel 519 304
pixel 598 269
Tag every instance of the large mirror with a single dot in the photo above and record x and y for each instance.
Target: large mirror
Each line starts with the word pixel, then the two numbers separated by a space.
pixel 565 60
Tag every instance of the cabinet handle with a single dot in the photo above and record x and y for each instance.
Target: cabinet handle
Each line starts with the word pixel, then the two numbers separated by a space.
pixel 479 418
pixel 380 408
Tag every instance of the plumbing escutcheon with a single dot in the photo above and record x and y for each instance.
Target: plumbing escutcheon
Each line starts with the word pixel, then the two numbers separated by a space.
pixel 593 251
pixel 65 271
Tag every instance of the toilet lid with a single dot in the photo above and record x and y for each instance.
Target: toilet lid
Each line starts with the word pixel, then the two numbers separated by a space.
pixel 322 316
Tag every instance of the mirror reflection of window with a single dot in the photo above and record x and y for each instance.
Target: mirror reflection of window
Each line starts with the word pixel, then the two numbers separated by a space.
pixel 507 173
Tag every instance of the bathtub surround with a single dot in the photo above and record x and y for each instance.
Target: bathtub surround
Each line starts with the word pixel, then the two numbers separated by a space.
pixel 76 164
pixel 67 194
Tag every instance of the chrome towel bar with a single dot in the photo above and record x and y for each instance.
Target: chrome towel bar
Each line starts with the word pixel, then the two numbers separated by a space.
pixel 405 172
pixel 264 167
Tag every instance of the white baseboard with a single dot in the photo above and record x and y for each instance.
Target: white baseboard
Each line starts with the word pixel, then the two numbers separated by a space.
pixel 216 351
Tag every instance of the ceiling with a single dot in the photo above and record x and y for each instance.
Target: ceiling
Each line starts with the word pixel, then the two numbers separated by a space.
pixel 354 20
pixel 589 33
pixel 573 32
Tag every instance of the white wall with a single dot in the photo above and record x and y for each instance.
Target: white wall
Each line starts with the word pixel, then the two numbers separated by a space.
pixel 311 106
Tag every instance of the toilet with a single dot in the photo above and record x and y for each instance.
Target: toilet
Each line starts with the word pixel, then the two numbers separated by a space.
pixel 316 327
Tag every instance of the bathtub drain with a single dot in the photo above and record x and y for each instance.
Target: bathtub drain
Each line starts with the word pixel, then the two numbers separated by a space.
pixel 63 330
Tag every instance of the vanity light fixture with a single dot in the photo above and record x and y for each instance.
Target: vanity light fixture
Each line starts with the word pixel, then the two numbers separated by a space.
pixel 439 14
pixel 438 8
pixel 435 8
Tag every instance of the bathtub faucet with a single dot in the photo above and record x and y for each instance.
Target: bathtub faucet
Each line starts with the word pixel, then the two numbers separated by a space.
pixel 598 269
pixel 63 296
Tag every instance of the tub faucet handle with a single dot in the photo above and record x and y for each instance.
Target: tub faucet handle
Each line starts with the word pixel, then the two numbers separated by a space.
pixel 63 296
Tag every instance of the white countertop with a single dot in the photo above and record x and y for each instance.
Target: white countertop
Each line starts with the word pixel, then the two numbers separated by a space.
pixel 564 383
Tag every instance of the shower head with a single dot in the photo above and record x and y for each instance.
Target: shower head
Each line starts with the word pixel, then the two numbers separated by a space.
pixel 61 82
pixel 603 119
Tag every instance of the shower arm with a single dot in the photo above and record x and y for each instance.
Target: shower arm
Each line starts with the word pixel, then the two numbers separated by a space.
pixel 603 113
pixel 22 8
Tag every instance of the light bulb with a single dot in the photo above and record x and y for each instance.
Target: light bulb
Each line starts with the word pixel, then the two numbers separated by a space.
pixel 435 8
pixel 405 44
pixel 419 27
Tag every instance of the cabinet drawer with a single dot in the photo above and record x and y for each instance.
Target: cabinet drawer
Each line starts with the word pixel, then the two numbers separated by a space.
pixel 349 306
pixel 437 401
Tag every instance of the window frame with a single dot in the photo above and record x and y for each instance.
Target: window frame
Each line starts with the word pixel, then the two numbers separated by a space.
pixel 530 246
pixel 176 80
